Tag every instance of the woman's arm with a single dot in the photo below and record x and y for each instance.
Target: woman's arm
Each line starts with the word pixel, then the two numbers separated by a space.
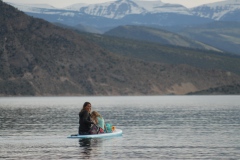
pixel 85 118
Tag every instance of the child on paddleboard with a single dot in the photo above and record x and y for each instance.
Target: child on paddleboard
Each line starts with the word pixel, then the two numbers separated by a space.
pixel 97 119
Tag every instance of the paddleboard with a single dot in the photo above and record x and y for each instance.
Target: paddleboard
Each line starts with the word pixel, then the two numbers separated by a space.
pixel 117 132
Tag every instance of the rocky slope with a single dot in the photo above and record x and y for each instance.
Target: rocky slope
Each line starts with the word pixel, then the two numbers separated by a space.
pixel 230 90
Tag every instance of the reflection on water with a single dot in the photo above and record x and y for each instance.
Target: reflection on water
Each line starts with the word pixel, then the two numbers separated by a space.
pixel 158 127
pixel 91 147
pixel 85 144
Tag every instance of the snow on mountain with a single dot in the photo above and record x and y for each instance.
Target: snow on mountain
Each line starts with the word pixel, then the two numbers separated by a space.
pixel 160 7
pixel 115 10
pixel 217 10
pixel 120 8
pixel 76 7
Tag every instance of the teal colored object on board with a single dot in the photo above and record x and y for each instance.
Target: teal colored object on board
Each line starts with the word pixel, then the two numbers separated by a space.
pixel 108 128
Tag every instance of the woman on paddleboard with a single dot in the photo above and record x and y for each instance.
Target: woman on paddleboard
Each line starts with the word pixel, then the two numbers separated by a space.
pixel 85 119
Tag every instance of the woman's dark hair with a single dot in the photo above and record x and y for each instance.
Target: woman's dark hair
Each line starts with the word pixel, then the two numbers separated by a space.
pixel 85 105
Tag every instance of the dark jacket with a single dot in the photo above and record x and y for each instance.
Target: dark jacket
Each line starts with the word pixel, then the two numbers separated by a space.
pixel 84 122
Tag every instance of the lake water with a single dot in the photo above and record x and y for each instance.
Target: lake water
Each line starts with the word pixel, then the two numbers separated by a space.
pixel 154 127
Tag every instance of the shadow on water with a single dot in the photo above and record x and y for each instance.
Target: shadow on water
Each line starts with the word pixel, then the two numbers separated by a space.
pixel 85 144
pixel 90 147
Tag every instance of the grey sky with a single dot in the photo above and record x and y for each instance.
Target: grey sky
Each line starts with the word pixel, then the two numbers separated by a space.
pixel 64 3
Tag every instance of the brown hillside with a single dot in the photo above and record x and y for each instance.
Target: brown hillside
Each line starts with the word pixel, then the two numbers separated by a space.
pixel 38 58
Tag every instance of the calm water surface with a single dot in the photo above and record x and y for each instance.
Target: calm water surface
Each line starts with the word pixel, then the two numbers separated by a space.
pixel 154 127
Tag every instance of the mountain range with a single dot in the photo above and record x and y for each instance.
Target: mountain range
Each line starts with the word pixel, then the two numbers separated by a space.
pixel 129 12
pixel 189 23
pixel 121 12
pixel 40 58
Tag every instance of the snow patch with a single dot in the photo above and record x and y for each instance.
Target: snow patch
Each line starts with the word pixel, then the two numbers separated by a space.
pixel 217 10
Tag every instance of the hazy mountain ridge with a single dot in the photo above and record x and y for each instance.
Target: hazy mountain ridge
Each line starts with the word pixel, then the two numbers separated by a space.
pixel 156 35
pixel 35 8
pixel 155 52
pixel 38 58
pixel 222 35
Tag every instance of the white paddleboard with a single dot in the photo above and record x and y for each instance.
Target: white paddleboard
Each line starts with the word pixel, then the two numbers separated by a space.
pixel 117 132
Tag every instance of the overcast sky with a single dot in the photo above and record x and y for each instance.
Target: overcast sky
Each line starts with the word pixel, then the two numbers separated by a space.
pixel 64 3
